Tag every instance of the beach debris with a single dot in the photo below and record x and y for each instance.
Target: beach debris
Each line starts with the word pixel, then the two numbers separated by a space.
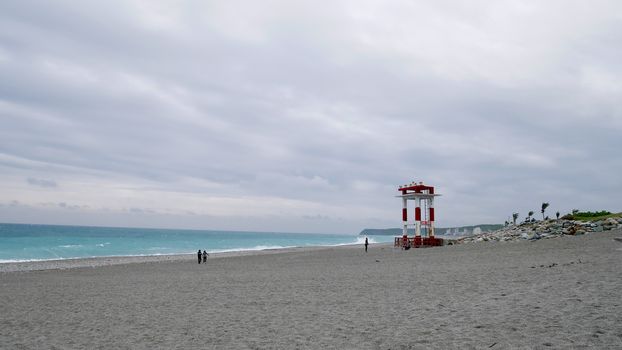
pixel 556 264
pixel 547 229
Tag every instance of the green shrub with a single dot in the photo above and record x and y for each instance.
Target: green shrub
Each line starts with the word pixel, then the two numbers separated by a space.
pixel 589 214
pixel 585 215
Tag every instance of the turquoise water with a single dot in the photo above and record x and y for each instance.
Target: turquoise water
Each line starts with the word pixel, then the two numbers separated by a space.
pixel 20 242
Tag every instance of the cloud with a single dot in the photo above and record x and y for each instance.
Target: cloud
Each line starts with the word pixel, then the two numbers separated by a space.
pixel 41 182
pixel 284 111
pixel 63 205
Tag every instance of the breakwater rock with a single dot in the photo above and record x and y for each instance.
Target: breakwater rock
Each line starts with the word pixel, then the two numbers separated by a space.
pixel 544 229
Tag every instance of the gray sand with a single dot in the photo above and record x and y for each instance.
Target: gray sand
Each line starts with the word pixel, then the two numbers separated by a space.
pixel 562 293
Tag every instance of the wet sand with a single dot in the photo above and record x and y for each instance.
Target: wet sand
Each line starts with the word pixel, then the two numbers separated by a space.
pixel 561 293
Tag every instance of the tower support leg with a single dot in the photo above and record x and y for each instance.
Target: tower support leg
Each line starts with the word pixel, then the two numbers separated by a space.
pixel 404 218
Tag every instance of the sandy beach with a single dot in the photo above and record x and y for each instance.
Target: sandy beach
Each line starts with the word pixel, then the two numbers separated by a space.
pixel 561 293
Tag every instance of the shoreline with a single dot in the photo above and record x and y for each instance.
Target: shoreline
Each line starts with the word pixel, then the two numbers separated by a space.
pixel 92 262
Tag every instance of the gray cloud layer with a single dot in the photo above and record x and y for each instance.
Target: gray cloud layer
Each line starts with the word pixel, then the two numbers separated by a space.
pixel 41 182
pixel 293 116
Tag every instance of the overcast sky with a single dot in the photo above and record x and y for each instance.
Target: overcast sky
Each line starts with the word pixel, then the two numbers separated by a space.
pixel 300 116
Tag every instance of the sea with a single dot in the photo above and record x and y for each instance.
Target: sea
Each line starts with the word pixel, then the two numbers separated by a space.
pixel 24 242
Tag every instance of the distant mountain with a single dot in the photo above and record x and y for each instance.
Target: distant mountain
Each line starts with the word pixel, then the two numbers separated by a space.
pixel 444 231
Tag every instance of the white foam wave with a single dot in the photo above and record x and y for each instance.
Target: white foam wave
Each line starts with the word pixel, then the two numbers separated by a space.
pixel 71 246
pixel 359 240
pixel 256 248
pixel 9 261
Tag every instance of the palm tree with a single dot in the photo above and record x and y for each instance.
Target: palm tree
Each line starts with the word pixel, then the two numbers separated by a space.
pixel 557 214
pixel 514 217
pixel 544 206
pixel 529 216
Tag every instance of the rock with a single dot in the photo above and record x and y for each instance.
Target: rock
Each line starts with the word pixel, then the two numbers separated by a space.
pixel 543 230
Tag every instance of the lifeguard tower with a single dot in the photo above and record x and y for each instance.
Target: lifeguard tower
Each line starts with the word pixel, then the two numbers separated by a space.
pixel 423 196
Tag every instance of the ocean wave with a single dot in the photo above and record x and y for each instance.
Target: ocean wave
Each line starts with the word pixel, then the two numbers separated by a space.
pixel 359 240
pixel 255 248
pixel 9 261
pixel 71 246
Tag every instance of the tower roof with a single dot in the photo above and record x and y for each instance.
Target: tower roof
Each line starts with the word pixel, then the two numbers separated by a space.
pixel 414 187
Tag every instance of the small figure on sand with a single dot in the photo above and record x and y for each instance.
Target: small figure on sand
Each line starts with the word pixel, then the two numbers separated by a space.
pixel 366 244
pixel 205 257
pixel 199 255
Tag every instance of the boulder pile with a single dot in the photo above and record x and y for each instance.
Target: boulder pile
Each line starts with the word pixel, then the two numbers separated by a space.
pixel 544 229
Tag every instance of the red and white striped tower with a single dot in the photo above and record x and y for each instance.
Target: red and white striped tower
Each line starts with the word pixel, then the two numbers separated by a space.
pixel 419 192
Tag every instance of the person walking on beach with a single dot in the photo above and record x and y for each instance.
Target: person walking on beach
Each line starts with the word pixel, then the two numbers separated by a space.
pixel 204 256
pixel 199 255
pixel 366 244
